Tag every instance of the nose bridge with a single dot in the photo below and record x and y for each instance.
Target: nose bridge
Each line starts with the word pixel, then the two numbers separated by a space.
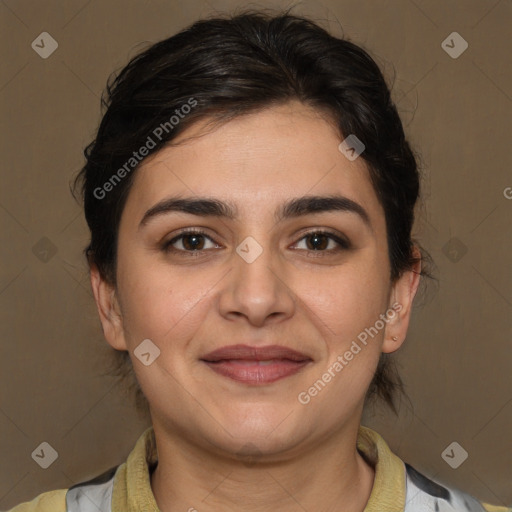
pixel 256 289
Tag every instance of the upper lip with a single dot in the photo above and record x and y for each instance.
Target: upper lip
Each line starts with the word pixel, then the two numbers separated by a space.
pixel 248 353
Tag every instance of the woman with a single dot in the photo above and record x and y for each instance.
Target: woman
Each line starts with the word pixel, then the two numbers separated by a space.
pixel 250 195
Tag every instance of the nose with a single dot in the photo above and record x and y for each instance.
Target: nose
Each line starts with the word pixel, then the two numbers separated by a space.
pixel 258 290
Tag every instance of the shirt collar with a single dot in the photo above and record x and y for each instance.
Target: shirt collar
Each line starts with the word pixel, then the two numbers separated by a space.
pixel 132 485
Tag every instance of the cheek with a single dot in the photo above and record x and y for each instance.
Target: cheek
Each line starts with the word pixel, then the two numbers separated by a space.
pixel 347 300
pixel 160 303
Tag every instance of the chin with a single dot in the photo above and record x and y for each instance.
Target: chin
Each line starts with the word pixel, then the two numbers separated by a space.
pixel 259 419
pixel 253 446
pixel 267 427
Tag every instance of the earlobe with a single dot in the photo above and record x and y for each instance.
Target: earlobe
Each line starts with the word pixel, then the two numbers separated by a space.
pixel 108 310
pixel 402 297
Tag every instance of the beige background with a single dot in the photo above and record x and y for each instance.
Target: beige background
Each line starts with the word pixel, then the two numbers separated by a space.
pixel 457 360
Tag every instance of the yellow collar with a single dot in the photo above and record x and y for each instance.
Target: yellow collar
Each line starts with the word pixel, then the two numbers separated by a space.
pixel 132 485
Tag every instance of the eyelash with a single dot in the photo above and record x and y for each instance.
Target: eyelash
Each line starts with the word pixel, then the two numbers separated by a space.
pixel 342 243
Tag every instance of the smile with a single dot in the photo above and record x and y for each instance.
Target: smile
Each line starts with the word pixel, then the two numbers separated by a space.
pixel 256 365
pixel 256 372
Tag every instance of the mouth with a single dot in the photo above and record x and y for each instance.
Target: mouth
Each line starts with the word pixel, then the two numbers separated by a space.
pixel 256 365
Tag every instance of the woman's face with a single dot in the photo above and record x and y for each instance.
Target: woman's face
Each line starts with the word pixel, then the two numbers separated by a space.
pixel 255 279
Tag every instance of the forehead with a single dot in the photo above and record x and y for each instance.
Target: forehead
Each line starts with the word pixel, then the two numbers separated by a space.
pixel 255 161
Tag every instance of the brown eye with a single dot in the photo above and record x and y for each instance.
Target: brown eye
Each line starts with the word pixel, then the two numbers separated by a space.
pixel 317 241
pixel 324 241
pixel 193 241
pixel 190 241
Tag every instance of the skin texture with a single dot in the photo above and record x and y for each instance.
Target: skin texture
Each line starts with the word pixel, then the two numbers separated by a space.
pixel 314 301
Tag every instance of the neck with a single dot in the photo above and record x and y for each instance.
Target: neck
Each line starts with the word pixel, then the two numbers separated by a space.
pixel 329 477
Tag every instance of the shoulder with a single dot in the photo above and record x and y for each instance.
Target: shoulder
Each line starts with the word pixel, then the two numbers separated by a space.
pixel 494 508
pixel 98 490
pixel 77 498
pixel 51 501
pixel 425 495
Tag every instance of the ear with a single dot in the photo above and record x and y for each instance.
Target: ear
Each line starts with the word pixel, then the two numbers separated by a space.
pixel 108 310
pixel 400 306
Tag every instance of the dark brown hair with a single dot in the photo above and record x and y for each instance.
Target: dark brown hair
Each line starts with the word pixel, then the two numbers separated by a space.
pixel 234 65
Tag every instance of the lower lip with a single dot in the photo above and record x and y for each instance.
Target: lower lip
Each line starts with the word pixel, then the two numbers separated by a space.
pixel 251 372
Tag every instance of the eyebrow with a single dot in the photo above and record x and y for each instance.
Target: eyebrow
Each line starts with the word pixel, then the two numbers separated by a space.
pixel 296 207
